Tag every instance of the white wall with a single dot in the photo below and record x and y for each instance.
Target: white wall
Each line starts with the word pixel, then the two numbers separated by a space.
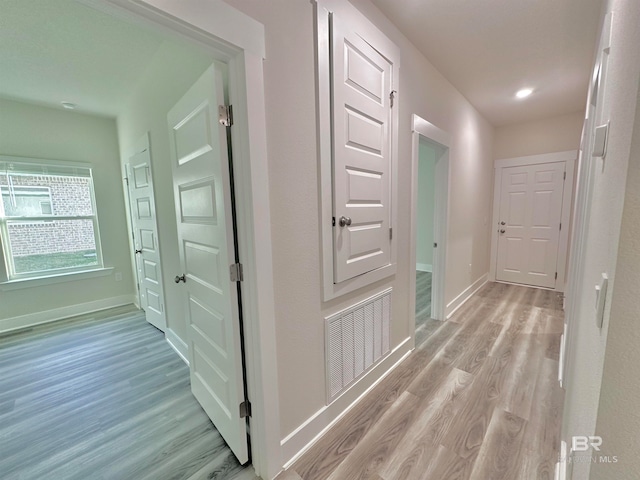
pixel 588 345
pixel 170 73
pixel 556 134
pixel 426 204
pixel 40 132
pixel 618 413
pixel 293 175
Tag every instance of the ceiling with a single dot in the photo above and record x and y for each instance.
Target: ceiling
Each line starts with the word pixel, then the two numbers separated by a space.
pixel 489 49
pixel 61 50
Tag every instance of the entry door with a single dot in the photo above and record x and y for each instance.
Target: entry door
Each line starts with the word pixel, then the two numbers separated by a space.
pixel 529 224
pixel 202 193
pixel 145 236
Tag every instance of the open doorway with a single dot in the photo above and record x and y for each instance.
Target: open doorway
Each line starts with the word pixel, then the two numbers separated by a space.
pixel 145 70
pixel 425 241
pixel 430 187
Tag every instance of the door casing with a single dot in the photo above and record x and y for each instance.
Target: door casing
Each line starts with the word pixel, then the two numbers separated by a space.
pixel 441 140
pixel 569 157
pixel 368 31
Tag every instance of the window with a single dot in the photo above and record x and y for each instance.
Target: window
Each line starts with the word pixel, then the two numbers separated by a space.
pixel 48 222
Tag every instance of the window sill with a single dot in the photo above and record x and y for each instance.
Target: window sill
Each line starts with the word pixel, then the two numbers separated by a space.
pixel 51 279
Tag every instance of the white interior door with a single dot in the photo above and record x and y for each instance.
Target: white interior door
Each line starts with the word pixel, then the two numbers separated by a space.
pixel 361 85
pixel 202 193
pixel 145 235
pixel 529 224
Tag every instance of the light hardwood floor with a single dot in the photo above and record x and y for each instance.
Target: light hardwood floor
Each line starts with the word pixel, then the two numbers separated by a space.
pixel 423 294
pixel 103 396
pixel 425 325
pixel 478 399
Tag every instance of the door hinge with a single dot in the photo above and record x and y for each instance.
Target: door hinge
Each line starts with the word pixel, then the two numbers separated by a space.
pixel 392 97
pixel 126 179
pixel 435 244
pixel 225 115
pixel 565 176
pixel 560 226
pixel 333 222
pixel 391 234
pixel 245 409
pixel 556 275
pixel 235 272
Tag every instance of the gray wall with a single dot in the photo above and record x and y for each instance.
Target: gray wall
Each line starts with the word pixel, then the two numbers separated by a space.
pixel 41 132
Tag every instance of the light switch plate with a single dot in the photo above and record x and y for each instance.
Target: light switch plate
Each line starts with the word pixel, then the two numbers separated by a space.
pixel 600 141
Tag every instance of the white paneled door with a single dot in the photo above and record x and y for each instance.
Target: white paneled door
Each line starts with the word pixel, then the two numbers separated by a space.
pixel 529 224
pixel 362 92
pixel 202 191
pixel 145 235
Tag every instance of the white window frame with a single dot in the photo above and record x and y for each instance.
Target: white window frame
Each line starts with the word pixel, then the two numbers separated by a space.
pixel 331 290
pixel 7 269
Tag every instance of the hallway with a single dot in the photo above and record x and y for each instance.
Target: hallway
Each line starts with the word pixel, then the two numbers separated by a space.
pixel 477 399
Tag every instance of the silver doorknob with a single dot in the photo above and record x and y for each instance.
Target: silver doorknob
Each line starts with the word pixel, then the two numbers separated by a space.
pixel 344 221
pixel 502 231
pixel 502 223
pixel 180 278
pixel 138 251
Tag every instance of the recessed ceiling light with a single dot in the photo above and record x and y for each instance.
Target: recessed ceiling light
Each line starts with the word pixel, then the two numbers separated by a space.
pixel 68 105
pixel 525 92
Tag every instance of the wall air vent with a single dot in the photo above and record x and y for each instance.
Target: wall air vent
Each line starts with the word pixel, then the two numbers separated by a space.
pixel 357 338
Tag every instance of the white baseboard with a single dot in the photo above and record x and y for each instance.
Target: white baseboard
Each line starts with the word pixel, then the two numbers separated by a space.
pixel 424 267
pixel 47 316
pixel 561 358
pixel 561 465
pixel 177 344
pixel 307 434
pixel 468 292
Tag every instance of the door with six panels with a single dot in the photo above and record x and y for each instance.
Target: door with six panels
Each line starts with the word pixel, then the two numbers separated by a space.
pixel 529 224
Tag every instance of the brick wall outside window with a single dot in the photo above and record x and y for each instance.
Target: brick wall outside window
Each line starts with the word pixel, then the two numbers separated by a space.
pixel 69 196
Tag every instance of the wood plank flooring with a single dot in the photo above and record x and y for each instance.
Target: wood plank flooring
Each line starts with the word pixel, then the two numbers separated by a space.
pixel 425 325
pixel 423 294
pixel 477 399
pixel 103 396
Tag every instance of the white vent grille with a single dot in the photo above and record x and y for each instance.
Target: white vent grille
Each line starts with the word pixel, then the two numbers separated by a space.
pixel 356 339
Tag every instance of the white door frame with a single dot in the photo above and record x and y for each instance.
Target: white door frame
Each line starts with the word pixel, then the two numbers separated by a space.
pixel 569 158
pixel 238 40
pixel 126 175
pixel 436 136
